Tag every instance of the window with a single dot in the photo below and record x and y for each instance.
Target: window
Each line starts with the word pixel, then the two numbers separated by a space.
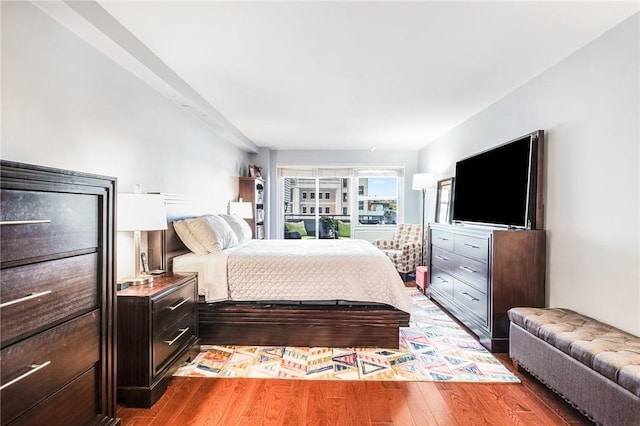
pixel 377 197
pixel 363 197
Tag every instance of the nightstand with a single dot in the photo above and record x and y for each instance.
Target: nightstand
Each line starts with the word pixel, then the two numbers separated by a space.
pixel 157 333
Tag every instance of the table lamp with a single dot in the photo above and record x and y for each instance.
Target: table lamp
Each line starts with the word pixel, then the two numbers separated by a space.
pixel 137 213
pixel 243 209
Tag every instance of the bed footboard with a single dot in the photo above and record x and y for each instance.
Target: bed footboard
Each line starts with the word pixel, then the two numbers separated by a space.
pixel 300 325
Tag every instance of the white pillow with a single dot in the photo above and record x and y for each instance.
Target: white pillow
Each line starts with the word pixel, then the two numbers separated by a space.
pixel 239 226
pixel 213 232
pixel 187 237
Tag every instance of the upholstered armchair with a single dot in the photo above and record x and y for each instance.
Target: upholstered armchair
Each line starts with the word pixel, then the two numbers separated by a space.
pixel 404 249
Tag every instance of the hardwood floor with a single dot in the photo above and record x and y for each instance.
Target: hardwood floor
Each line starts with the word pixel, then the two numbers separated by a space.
pixel 201 401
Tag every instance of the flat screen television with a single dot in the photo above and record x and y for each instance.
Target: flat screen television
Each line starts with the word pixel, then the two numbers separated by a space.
pixel 502 186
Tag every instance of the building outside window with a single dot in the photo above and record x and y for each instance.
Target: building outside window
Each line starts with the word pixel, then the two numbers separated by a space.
pixel 377 197
pixel 375 204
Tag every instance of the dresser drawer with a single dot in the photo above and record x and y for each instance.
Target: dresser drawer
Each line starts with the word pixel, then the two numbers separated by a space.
pixel 473 272
pixel 42 224
pixel 35 296
pixel 445 260
pixel 75 404
pixel 470 246
pixel 472 299
pixel 442 281
pixel 172 340
pixel 62 353
pixel 442 239
pixel 168 309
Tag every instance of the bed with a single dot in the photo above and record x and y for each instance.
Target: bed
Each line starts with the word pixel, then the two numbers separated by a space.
pixel 363 305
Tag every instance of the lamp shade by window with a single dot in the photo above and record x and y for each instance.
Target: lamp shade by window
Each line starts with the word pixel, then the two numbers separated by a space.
pixel 141 212
pixel 423 181
pixel 242 209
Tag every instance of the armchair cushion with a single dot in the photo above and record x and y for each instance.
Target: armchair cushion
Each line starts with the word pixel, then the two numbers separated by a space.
pixel 296 227
pixel 405 248
pixel 344 229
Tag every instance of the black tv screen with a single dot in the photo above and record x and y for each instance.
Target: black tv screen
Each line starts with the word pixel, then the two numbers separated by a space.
pixel 498 186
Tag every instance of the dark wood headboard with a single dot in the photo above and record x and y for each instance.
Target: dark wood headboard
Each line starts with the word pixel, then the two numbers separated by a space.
pixel 164 245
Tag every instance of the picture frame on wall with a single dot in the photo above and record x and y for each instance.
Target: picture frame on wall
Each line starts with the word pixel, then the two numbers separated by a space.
pixel 444 200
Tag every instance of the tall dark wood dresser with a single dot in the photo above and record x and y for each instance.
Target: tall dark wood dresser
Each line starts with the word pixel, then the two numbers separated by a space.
pixel 57 297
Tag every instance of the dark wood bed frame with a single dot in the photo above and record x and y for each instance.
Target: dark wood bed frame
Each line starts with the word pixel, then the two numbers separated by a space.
pixel 253 324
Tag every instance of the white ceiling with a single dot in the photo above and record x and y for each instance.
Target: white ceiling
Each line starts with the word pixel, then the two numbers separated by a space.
pixel 355 75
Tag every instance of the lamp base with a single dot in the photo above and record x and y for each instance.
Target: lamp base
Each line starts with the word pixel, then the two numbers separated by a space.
pixel 143 279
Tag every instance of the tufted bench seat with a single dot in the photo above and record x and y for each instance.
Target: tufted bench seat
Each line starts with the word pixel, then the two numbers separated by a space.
pixel 594 366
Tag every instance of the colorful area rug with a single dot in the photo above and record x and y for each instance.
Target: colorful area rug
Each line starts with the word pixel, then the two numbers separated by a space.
pixel 432 348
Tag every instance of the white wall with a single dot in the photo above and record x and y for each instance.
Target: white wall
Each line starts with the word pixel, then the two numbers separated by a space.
pixel 66 105
pixel 588 105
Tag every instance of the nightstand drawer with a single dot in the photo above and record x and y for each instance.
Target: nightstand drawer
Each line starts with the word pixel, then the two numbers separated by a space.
pixel 47 361
pixel 172 340
pixel 173 306
pixel 54 223
pixel 36 296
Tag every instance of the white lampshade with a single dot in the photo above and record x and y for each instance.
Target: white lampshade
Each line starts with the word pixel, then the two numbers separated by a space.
pixel 141 212
pixel 423 181
pixel 241 208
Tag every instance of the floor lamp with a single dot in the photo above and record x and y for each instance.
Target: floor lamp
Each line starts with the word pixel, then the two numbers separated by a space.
pixel 422 182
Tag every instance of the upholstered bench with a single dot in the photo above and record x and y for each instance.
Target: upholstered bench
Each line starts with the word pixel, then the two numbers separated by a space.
pixel 594 366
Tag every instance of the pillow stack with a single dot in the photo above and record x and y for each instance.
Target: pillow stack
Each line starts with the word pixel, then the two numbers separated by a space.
pixel 212 233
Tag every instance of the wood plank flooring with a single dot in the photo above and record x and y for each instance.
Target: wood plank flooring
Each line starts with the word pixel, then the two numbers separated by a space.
pixel 200 401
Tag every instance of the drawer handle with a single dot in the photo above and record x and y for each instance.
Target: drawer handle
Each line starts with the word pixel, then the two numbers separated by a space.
pixel 464 268
pixel 441 258
pixel 182 331
pixel 442 279
pixel 470 297
pixel 24 299
pixel 177 305
pixel 471 245
pixel 33 367
pixel 443 239
pixel 24 222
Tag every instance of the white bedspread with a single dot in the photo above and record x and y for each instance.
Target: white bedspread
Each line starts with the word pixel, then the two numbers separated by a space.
pixel 298 270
